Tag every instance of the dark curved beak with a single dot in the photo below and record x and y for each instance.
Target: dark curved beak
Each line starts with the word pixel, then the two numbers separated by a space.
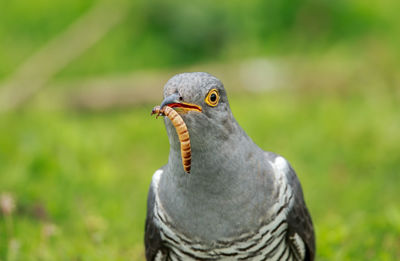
pixel 173 98
pixel 175 101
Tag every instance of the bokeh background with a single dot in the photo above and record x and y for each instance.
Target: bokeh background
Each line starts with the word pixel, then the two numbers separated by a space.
pixel 314 80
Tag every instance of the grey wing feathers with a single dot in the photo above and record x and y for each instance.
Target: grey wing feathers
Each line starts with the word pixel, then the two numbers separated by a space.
pixel 299 219
pixel 152 238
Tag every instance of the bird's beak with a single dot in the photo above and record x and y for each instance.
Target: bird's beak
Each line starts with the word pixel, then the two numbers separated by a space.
pixel 173 101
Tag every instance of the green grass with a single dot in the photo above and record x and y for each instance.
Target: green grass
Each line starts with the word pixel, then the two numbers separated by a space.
pixel 80 180
pixel 165 34
pixel 88 174
pixel 26 26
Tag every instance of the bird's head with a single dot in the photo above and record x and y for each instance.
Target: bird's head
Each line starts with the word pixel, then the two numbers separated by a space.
pixel 201 100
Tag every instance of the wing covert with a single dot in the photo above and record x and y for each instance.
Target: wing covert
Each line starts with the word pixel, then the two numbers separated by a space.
pixel 152 238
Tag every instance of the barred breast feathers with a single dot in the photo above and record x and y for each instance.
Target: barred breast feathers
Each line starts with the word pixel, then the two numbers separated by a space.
pixel 268 242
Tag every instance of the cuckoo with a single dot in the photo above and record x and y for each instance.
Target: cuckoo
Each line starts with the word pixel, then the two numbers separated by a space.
pixel 220 196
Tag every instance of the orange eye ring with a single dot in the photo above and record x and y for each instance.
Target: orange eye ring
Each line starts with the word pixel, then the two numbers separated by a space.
pixel 212 98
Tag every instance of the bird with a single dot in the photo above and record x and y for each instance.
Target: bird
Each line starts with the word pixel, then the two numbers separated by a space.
pixel 238 202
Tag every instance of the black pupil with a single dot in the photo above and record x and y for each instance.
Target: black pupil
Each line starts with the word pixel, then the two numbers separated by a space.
pixel 213 97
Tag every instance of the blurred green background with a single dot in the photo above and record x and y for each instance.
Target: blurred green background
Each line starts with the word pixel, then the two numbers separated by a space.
pixel 316 81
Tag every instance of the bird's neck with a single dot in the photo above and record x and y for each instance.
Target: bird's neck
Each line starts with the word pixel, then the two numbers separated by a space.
pixel 218 153
pixel 225 174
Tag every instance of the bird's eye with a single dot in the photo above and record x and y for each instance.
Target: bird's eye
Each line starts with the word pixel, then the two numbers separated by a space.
pixel 212 98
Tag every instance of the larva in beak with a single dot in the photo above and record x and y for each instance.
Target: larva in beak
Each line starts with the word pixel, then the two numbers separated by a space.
pixel 182 132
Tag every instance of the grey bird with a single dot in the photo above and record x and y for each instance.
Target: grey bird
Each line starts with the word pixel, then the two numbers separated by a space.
pixel 238 202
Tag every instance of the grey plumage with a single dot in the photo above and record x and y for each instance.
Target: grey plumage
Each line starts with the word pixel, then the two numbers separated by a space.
pixel 238 203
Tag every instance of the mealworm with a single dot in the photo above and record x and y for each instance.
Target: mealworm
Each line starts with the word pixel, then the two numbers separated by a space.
pixel 182 132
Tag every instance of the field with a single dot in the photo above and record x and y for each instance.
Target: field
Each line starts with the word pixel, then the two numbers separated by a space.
pixel 80 180
pixel 74 180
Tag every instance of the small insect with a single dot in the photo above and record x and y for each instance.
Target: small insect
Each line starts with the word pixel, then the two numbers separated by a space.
pixel 182 132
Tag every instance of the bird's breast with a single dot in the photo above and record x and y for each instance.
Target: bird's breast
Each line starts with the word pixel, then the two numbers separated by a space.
pixel 267 239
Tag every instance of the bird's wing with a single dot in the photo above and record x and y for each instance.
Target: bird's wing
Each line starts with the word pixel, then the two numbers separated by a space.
pixel 299 219
pixel 300 227
pixel 152 239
